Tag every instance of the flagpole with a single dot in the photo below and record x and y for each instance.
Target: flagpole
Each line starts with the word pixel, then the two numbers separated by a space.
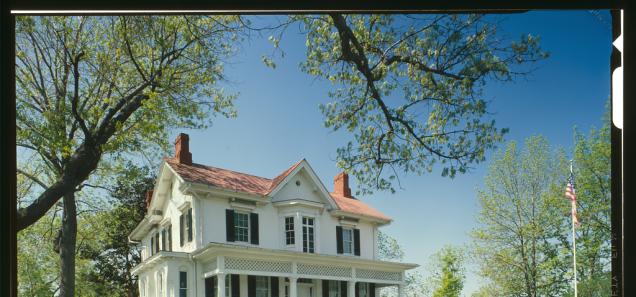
pixel 574 239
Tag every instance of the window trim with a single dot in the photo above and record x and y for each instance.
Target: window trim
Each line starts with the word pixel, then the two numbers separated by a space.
pixel 247 227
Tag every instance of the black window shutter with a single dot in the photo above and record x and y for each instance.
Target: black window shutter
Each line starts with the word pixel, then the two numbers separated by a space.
pixel 229 226
pixel 254 228
pixel 343 288
pixel 169 238
pixel 164 238
pixel 209 287
pixel 358 289
pixel 189 224
pixel 152 245
pixel 157 242
pixel 371 290
pixel 325 288
pixel 356 242
pixel 181 228
pixel 274 286
pixel 251 286
pixel 236 285
pixel 339 239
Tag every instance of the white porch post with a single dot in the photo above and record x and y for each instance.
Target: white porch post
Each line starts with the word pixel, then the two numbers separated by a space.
pixel 292 286
pixel 220 285
pixel 401 290
pixel 281 287
pixel 351 288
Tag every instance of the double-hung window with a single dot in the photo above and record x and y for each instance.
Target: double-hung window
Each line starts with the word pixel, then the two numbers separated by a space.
pixel 347 241
pixel 334 288
pixel 363 289
pixel 183 284
pixel 308 235
pixel 262 286
pixel 241 227
pixel 290 237
pixel 185 227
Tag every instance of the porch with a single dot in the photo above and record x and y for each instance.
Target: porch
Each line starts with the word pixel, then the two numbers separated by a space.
pixel 257 272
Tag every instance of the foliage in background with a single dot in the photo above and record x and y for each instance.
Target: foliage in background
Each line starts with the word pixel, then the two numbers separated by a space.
pixel 449 272
pixel 116 258
pixel 520 243
pixel 592 159
pixel 409 89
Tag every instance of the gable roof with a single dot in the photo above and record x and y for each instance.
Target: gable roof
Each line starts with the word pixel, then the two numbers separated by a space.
pixel 251 184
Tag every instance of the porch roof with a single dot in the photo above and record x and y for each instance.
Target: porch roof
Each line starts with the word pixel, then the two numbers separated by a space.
pixel 213 249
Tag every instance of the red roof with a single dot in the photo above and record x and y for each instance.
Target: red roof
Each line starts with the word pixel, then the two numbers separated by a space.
pixel 243 182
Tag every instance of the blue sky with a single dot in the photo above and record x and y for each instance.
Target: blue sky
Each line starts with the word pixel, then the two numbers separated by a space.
pixel 279 123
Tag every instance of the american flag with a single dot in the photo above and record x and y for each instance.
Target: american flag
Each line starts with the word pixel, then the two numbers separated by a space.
pixel 570 193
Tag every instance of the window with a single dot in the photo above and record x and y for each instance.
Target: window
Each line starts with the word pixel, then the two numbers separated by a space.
pixel 152 245
pixel 262 286
pixel 183 284
pixel 241 227
pixel 347 241
pixel 363 289
pixel 334 288
pixel 290 237
pixel 189 224
pixel 185 226
pixel 308 235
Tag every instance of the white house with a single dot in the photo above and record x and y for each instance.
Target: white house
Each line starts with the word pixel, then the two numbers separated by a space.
pixel 218 233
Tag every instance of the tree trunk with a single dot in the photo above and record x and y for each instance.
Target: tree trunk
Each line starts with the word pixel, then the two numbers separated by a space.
pixel 67 246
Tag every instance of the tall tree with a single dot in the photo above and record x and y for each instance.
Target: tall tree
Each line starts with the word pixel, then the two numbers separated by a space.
pixel 91 88
pixel 448 279
pixel 523 226
pixel 409 87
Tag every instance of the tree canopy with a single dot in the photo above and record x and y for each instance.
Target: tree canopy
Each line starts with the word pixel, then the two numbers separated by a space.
pixel 410 89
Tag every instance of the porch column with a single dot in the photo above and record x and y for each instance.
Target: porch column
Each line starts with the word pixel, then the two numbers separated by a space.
pixel 351 289
pixel 220 285
pixel 292 287
pixel 401 290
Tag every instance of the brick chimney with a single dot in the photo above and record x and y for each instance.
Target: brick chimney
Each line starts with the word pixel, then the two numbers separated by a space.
pixel 148 198
pixel 182 149
pixel 341 185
